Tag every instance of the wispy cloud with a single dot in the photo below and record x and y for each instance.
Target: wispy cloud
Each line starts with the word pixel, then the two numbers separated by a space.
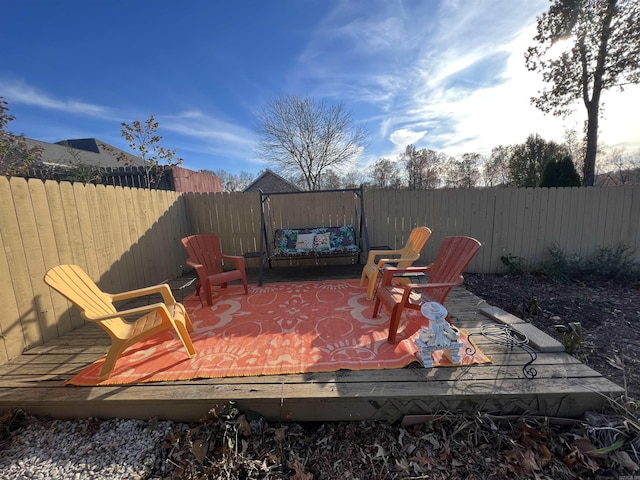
pixel 199 125
pixel 19 92
pixel 203 134
pixel 433 82
pixel 189 131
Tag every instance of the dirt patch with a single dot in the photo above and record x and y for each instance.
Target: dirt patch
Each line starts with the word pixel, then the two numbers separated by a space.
pixel 608 314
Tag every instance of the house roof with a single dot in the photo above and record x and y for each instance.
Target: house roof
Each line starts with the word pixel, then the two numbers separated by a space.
pixel 271 182
pixel 87 151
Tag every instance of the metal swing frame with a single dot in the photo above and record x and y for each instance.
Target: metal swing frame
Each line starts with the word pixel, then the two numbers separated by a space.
pixel 360 230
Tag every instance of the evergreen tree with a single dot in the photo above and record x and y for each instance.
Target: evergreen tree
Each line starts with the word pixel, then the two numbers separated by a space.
pixel 560 173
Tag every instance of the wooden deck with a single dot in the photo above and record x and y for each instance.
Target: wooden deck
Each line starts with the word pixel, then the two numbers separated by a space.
pixel 563 386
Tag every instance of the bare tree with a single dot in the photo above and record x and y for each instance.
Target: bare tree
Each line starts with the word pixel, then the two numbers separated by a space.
pixel 620 167
pixel 602 52
pixel 384 174
pixel 145 142
pixel 330 180
pixel 232 182
pixel 464 172
pixel 576 146
pixel 496 169
pixel 423 167
pixel 303 137
pixel 353 178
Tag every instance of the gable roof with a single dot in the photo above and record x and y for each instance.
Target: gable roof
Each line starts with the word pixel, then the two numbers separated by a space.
pixel 87 151
pixel 271 182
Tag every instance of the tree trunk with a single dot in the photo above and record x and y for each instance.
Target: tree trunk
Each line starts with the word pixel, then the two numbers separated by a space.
pixel 593 105
pixel 589 168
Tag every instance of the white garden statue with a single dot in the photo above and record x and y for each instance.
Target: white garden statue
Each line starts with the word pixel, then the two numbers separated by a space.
pixel 439 335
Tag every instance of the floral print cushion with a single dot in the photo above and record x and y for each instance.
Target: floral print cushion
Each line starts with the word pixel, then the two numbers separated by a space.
pixel 341 241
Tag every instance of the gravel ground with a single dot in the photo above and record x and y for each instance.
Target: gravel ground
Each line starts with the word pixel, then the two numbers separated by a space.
pixel 38 449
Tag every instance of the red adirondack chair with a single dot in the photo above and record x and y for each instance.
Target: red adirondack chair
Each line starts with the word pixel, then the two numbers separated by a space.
pixel 207 258
pixel 444 273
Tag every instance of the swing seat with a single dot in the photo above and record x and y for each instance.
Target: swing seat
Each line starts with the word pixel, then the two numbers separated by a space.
pixel 315 242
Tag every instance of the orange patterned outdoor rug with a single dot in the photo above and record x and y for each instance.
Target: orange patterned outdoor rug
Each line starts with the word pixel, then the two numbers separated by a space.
pixel 278 328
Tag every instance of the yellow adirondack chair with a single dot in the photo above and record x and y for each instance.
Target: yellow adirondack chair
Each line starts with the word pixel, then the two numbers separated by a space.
pixel 97 306
pixel 378 259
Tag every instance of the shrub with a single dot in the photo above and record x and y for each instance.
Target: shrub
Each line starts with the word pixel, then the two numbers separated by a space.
pixel 560 173
pixel 515 265
pixel 614 263
pixel 561 268
pixel 609 263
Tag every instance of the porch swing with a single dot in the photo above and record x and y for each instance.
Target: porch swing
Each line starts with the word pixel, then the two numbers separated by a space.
pixel 311 242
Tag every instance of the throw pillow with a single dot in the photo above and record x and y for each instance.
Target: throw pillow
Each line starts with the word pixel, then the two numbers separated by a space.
pixel 304 242
pixel 322 241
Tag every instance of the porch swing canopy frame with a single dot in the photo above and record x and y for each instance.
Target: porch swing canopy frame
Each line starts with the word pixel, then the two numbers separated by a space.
pixel 267 227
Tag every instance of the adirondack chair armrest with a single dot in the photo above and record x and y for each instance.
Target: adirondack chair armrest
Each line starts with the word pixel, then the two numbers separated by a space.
pixel 193 263
pixel 390 272
pixel 198 267
pixel 382 263
pixel 237 259
pixel 427 286
pixel 129 312
pixel 163 289
pixel 374 254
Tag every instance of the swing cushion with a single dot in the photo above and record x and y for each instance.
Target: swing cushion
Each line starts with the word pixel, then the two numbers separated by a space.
pixel 304 242
pixel 325 240
pixel 322 242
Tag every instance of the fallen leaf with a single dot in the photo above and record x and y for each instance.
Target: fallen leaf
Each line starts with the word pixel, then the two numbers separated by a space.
pixel 243 426
pixel 199 449
pixel 301 473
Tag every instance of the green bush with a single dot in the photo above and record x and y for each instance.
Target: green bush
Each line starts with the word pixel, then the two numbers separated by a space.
pixel 515 265
pixel 562 268
pixel 609 263
pixel 614 263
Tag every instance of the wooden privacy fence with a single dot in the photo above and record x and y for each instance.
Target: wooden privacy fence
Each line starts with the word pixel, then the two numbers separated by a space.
pixel 523 222
pixel 124 238
pixel 129 238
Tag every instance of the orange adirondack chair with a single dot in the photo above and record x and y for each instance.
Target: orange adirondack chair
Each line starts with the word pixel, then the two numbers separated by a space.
pixel 445 273
pixel 97 306
pixel 401 258
pixel 206 257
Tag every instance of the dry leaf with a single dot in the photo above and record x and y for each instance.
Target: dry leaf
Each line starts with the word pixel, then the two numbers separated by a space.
pixel 301 473
pixel 243 426
pixel 199 449
pixel 545 455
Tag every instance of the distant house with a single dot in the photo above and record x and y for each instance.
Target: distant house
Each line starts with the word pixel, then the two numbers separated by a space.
pixel 85 151
pixel 96 153
pixel 271 182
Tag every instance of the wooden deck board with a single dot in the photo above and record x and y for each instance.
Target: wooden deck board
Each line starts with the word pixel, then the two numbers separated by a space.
pixel 563 386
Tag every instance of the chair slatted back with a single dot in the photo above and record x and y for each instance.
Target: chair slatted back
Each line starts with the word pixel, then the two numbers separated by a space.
pixel 205 250
pixel 415 243
pixel 74 284
pixel 454 255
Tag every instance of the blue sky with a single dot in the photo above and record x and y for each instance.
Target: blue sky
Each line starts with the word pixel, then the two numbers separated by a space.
pixel 446 75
